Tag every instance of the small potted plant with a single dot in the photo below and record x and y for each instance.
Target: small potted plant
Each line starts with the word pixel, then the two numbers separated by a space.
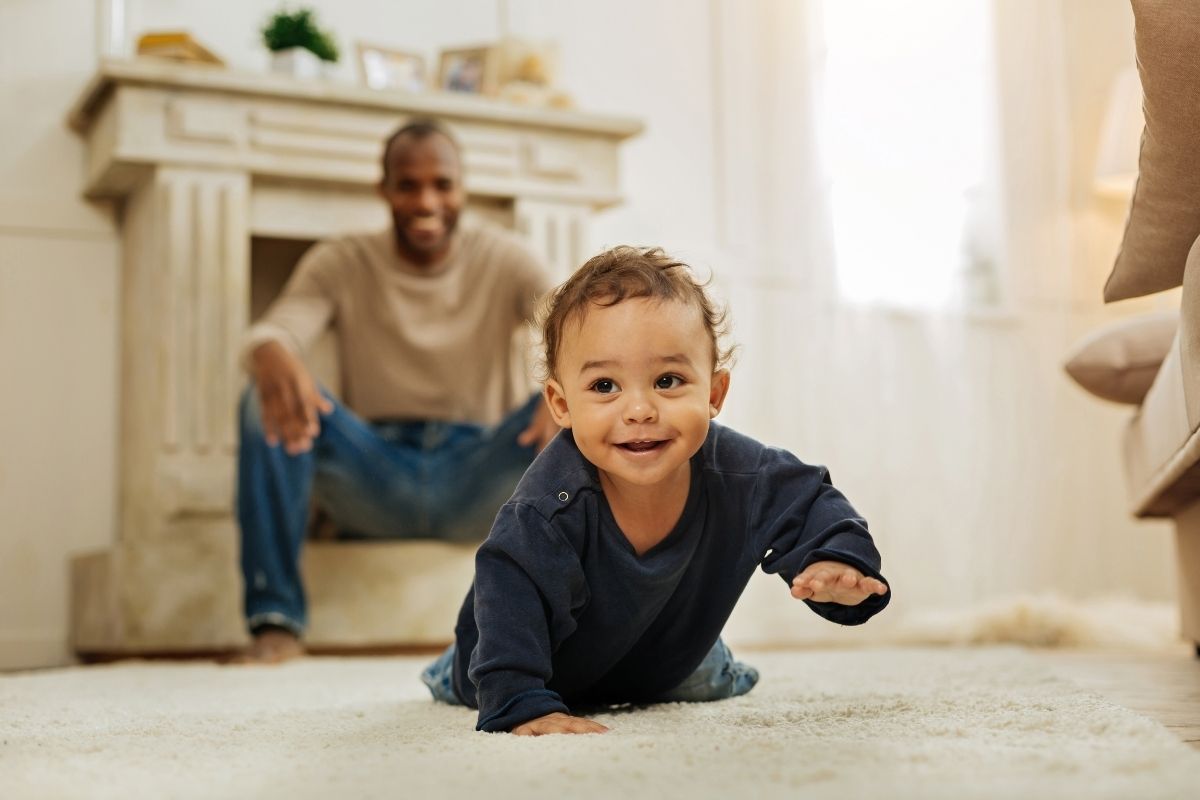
pixel 298 47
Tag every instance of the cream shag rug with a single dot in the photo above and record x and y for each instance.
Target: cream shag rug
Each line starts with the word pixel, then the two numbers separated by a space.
pixel 867 723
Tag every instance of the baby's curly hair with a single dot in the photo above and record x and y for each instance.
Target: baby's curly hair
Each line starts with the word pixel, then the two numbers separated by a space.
pixel 619 274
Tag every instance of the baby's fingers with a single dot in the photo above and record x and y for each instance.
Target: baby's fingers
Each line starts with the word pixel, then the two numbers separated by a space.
pixel 815 577
pixel 873 586
pixel 558 723
pixel 587 726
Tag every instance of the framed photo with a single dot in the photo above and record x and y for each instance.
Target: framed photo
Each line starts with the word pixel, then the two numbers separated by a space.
pixel 472 70
pixel 383 68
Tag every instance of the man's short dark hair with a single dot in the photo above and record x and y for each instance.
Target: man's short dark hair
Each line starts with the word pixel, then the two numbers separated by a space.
pixel 416 130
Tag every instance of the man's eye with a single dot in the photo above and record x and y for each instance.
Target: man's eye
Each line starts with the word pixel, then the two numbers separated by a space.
pixel 669 382
pixel 604 386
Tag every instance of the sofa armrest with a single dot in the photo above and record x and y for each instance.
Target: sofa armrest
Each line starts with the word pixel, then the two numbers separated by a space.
pixel 1162 442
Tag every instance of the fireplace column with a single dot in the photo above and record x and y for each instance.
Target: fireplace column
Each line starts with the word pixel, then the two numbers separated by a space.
pixel 186 279
pixel 185 297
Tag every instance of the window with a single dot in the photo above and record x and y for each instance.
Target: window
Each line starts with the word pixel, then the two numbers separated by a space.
pixel 906 121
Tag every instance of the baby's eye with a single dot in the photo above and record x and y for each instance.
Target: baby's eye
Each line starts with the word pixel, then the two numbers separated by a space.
pixel 668 382
pixel 604 386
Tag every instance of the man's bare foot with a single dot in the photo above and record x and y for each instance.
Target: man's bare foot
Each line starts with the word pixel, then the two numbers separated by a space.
pixel 271 646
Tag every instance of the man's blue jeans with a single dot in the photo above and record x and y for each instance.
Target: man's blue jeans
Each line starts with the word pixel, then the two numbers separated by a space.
pixel 393 480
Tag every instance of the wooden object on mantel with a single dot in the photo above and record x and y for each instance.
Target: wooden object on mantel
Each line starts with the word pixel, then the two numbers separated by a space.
pixel 202 160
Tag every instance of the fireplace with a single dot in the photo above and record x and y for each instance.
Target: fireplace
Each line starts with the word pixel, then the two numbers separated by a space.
pixel 223 179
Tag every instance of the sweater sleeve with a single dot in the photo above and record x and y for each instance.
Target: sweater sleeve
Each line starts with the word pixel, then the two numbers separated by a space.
pixel 529 586
pixel 800 518
pixel 529 279
pixel 304 308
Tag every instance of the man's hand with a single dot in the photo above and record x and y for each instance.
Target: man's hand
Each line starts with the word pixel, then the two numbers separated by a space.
pixel 289 398
pixel 835 582
pixel 541 429
pixel 558 722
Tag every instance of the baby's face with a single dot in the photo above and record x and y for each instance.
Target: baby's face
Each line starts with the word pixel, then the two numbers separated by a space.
pixel 635 384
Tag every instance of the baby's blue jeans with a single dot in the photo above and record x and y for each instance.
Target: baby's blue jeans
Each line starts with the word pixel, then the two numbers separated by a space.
pixel 717 678
pixel 394 480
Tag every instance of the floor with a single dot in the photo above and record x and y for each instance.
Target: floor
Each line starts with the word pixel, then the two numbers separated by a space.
pixel 934 723
pixel 1162 686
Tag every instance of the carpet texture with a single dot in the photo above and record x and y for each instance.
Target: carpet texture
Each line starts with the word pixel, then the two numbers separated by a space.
pixel 881 723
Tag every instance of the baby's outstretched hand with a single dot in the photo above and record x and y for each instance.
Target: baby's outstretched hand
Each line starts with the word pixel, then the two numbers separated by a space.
pixel 835 582
pixel 558 722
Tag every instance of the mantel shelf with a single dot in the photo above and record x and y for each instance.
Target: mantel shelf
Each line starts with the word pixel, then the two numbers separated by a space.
pixel 165 74
pixel 145 115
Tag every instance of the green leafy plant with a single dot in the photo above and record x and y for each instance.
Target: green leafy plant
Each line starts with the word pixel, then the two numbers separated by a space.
pixel 298 28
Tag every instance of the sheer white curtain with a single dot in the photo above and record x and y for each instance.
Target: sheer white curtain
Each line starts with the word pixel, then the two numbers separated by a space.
pixel 902 311
pixel 906 114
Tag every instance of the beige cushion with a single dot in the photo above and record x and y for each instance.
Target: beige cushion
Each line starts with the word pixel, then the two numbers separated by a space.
pixel 1164 217
pixel 1119 361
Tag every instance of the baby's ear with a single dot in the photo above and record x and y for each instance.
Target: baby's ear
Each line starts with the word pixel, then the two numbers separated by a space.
pixel 556 401
pixel 717 392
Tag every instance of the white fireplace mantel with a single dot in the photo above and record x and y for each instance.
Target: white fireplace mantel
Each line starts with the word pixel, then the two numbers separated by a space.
pixel 202 160
pixel 140 115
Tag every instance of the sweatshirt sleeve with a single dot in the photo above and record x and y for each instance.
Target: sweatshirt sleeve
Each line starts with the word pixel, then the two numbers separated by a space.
pixel 800 518
pixel 529 586
pixel 304 308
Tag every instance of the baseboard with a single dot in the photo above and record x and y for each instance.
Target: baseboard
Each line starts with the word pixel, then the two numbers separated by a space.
pixel 221 656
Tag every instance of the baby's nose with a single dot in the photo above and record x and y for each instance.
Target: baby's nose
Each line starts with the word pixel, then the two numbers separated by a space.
pixel 641 409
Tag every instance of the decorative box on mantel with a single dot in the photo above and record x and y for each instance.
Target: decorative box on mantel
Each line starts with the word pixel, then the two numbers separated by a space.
pixel 212 166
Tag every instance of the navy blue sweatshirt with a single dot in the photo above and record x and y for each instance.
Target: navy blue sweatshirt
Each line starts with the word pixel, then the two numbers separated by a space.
pixel 563 609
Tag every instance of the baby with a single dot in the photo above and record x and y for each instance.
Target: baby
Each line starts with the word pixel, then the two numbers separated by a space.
pixel 609 574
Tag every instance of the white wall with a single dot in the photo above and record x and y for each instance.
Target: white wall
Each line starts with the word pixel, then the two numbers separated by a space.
pixel 58 331
pixel 983 471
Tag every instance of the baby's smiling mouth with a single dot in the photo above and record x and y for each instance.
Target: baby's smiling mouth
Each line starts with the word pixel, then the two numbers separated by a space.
pixel 642 445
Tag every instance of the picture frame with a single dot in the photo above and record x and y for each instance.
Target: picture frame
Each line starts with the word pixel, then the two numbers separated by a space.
pixel 386 68
pixel 469 70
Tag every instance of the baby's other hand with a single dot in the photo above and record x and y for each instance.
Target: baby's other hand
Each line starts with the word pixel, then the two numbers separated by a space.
pixel 558 722
pixel 835 582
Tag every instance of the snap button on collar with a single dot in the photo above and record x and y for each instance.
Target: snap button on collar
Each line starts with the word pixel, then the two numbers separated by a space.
pixel 563 496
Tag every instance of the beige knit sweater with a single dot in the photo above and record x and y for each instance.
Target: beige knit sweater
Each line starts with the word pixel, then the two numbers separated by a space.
pixel 416 343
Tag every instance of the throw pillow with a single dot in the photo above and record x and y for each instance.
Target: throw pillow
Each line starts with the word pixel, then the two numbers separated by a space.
pixel 1164 216
pixel 1119 361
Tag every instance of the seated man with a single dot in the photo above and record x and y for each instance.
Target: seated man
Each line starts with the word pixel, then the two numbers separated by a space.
pixel 438 422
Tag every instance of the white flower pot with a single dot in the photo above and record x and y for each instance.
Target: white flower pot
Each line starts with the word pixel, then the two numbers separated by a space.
pixel 297 62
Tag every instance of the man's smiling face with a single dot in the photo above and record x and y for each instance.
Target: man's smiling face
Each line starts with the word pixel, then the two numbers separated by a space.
pixel 423 186
pixel 635 384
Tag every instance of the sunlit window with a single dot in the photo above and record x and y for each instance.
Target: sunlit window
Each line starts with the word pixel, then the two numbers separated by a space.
pixel 906 118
